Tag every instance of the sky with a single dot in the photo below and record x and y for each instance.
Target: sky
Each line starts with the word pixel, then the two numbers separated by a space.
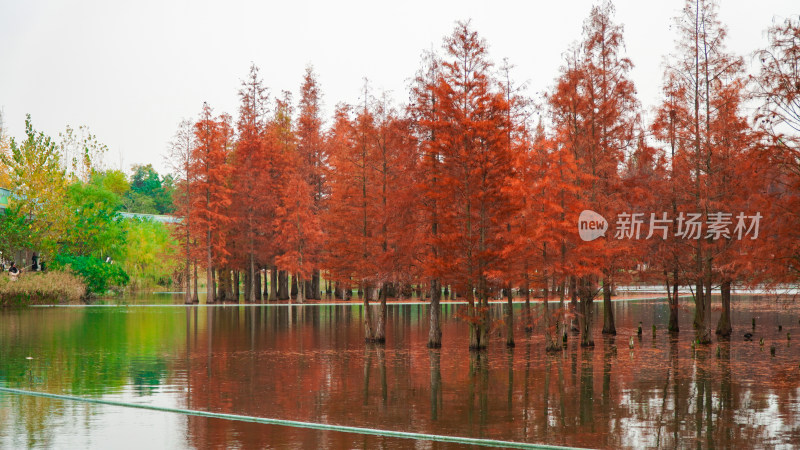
pixel 132 70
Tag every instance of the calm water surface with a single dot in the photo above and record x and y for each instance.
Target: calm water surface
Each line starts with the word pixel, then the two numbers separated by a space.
pixel 309 363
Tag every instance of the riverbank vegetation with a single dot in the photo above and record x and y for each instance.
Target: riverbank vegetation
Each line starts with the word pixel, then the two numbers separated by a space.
pixel 64 214
pixel 45 288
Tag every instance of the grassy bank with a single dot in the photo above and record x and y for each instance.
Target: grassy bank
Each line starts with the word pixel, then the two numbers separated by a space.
pixel 48 288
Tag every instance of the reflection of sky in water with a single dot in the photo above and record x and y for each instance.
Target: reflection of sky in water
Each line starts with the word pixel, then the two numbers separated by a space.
pixel 312 365
pixel 73 425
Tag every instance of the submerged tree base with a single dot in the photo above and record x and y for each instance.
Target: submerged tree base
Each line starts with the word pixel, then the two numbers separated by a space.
pixel 704 337
pixel 553 347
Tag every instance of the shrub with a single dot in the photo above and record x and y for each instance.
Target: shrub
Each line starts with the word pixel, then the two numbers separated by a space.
pixel 98 275
pixel 38 288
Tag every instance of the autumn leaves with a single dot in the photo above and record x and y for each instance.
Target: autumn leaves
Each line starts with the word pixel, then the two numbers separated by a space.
pixel 459 189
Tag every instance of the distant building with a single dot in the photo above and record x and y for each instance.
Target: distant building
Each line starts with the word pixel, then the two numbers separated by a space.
pixel 4 196
pixel 152 217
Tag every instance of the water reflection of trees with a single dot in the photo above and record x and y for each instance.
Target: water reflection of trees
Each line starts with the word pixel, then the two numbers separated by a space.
pixel 80 352
pixel 310 363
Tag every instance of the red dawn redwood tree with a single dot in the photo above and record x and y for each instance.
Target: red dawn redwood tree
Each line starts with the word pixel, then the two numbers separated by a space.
pixel 546 184
pixel 471 137
pixel 424 114
pixel 253 194
pixel 672 128
pixel 515 260
pixel 352 221
pixel 709 73
pixel 211 195
pixel 299 230
pixel 392 164
pixel 180 158
pixel 611 119
pixel 594 110
pixel 282 157
pixel 312 159
pixel 778 116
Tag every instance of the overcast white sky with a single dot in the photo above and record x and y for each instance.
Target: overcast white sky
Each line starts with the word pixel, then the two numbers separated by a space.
pixel 131 70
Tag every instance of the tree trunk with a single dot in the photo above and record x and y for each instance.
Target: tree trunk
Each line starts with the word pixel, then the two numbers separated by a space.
pixel 283 285
pixel 699 305
pixel 485 319
pixel 195 297
pixel 510 317
pixel 248 285
pixel 301 287
pixel 724 325
pixel 222 285
pixel 309 289
pixel 705 335
pixel 474 332
pixel 380 331
pixel 369 333
pixel 585 315
pixel 573 305
pixel 550 344
pixel 236 286
pixel 265 290
pixel 315 286
pixel 257 284
pixel 526 287
pixel 434 325
pixel 294 286
pixel 273 283
pixel 187 276
pixel 673 302
pixel 251 280
pixel 224 293
pixel 608 310
pixel 210 285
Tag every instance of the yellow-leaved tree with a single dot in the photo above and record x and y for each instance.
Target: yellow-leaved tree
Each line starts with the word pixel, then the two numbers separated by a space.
pixel 38 186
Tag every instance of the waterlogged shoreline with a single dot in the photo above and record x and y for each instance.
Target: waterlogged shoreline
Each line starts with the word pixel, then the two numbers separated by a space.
pixel 356 302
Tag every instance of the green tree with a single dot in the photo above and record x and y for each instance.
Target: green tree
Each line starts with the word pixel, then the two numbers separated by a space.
pixel 14 232
pixel 151 254
pixel 149 192
pixel 95 228
pixel 113 180
pixel 39 185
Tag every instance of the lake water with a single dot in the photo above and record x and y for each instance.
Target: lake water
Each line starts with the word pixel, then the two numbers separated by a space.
pixel 310 363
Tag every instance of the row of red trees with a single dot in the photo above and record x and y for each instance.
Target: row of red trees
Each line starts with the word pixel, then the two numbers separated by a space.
pixel 460 192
